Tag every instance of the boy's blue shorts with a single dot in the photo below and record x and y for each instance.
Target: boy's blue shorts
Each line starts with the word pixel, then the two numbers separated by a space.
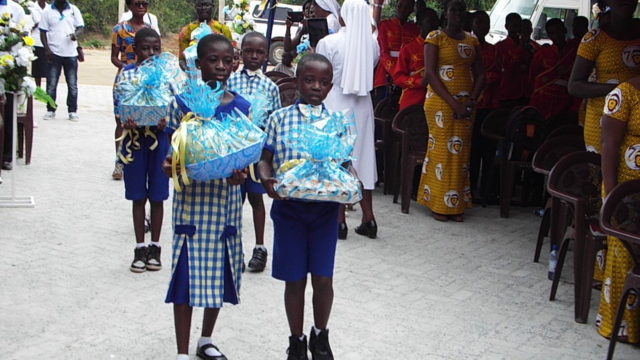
pixel 250 186
pixel 144 178
pixel 305 238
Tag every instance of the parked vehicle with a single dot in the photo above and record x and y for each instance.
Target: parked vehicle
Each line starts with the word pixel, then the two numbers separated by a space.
pixel 538 11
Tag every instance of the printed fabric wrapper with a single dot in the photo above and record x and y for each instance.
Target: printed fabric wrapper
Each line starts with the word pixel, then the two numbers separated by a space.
pixel 145 98
pixel 207 147
pixel 319 176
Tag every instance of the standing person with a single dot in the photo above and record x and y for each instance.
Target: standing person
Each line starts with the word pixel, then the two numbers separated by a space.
pixel 483 150
pixel 60 26
pixel 204 12
pixel 579 27
pixel 123 54
pixel 251 81
pixel 620 163
pixel 149 19
pixel 143 177
pixel 353 52
pixel 207 220
pixel 408 73
pixel 17 14
pixel 304 233
pixel 39 65
pixel 514 65
pixel 549 74
pixel 392 35
pixel 330 10
pixel 290 44
pixel 456 78
pixel 612 51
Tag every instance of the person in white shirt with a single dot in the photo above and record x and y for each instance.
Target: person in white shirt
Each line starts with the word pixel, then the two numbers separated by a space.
pixel 60 26
pixel 39 66
pixel 17 15
pixel 149 19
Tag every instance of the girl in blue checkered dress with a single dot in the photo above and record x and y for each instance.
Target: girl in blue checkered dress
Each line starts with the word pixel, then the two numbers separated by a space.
pixel 207 220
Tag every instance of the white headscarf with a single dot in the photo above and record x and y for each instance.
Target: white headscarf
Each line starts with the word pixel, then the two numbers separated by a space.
pixel 357 71
pixel 331 6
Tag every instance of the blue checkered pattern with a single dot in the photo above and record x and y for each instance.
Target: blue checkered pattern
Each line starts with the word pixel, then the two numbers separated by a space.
pixel 249 84
pixel 281 123
pixel 214 208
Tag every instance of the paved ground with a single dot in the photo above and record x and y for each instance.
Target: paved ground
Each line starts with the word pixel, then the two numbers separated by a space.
pixel 423 290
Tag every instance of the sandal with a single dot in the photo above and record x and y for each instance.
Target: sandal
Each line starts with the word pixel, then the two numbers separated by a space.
pixel 439 217
pixel 457 218
pixel 202 353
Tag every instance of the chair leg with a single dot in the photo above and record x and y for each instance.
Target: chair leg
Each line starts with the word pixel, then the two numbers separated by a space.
pixel 396 173
pixel 542 232
pixel 616 323
pixel 507 189
pixel 20 144
pixel 407 185
pixel 556 277
pixel 579 261
pixel 28 131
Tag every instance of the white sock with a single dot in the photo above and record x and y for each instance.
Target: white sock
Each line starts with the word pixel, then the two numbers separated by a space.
pixel 182 357
pixel 210 351
pixel 140 245
pixel 155 243
pixel 303 337
pixel 316 330
pixel 261 247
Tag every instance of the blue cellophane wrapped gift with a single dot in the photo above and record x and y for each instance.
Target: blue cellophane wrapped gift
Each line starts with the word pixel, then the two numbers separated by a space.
pixel 325 144
pixel 259 113
pixel 209 147
pixel 191 53
pixel 146 96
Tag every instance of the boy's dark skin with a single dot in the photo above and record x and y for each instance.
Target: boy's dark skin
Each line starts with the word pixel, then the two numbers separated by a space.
pixel 314 83
pixel 254 54
pixel 216 65
pixel 144 49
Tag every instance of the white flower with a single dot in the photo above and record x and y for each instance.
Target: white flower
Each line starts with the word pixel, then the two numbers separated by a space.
pixel 15 49
pixel 28 85
pixel 24 57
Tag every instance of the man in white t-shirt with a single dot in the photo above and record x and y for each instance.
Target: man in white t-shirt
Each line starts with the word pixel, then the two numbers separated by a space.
pixel 149 19
pixel 38 66
pixel 60 26
pixel 17 14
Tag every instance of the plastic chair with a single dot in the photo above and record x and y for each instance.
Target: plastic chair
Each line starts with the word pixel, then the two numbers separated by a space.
pixel 411 125
pixel 386 142
pixel 25 133
pixel 549 153
pixel 576 179
pixel 275 75
pixel 494 128
pixel 287 79
pixel 620 217
pixel 567 130
pixel 288 94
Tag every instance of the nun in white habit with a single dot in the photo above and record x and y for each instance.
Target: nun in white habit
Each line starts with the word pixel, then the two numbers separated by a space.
pixel 353 52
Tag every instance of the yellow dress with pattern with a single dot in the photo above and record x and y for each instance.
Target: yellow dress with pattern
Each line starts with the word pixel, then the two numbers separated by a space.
pixel 444 184
pixel 623 104
pixel 616 61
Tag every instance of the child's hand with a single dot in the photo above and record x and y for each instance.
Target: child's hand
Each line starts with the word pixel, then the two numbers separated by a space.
pixel 162 124
pixel 166 167
pixel 129 124
pixel 238 177
pixel 269 188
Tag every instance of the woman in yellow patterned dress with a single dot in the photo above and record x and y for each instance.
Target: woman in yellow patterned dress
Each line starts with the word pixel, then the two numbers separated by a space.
pixel 614 52
pixel 204 10
pixel 455 75
pixel 620 163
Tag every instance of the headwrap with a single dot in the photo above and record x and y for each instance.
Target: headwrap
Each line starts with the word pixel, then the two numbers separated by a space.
pixel 331 6
pixel 357 71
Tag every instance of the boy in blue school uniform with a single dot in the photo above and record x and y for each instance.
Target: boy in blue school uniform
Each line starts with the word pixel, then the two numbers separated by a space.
pixel 251 81
pixel 305 233
pixel 143 177
pixel 207 220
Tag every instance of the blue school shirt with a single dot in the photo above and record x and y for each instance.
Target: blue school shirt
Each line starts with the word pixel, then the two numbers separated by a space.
pixel 251 83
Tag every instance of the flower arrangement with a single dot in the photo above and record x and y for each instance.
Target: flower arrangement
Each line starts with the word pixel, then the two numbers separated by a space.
pixel 241 20
pixel 16 54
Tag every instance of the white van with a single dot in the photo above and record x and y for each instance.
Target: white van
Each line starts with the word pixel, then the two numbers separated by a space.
pixel 538 11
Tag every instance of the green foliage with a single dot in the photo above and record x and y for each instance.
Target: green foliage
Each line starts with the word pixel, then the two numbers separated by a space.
pixel 99 15
pixel 93 43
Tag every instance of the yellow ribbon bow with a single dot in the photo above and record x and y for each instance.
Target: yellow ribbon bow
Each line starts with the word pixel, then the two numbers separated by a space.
pixel 178 144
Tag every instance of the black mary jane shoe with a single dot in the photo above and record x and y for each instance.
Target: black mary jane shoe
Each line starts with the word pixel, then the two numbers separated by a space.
pixel 342 231
pixel 369 229
pixel 203 355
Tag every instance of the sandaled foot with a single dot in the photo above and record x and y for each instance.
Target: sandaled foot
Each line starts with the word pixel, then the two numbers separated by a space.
pixel 457 218
pixel 439 217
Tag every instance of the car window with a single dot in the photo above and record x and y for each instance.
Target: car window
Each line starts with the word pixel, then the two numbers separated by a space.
pixel 281 13
pixel 566 15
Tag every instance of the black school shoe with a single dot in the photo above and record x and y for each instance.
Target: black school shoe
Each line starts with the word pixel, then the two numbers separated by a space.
pixel 203 355
pixel 153 258
pixel 258 260
pixel 369 229
pixel 342 231
pixel 319 345
pixel 297 349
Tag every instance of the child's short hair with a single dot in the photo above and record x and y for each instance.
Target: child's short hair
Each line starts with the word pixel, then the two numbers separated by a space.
pixel 309 58
pixel 254 34
pixel 145 33
pixel 210 40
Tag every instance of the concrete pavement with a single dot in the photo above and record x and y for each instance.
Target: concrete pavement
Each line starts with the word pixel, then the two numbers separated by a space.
pixel 423 290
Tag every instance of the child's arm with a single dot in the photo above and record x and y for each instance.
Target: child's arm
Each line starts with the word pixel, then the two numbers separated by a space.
pixel 265 172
